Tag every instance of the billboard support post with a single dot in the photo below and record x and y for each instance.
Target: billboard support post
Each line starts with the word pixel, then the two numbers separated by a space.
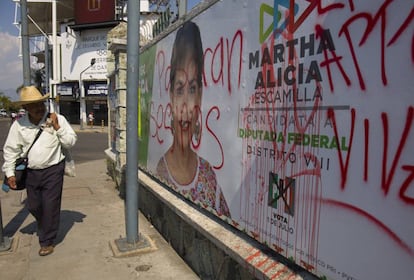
pixel 134 243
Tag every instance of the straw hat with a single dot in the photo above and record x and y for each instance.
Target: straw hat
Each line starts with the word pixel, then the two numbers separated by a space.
pixel 30 94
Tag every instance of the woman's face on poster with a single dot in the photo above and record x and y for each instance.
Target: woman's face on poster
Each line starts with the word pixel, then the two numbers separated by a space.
pixel 185 102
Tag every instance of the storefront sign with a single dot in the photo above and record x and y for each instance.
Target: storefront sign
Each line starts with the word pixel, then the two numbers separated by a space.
pixel 68 89
pixel 96 88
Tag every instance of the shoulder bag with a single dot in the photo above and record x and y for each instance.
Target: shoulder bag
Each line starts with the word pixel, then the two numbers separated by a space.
pixel 20 169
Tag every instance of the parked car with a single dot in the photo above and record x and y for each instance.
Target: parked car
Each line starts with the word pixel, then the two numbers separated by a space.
pixel 3 113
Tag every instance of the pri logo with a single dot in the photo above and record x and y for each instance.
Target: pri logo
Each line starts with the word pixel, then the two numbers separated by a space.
pixel 282 189
pixel 94 5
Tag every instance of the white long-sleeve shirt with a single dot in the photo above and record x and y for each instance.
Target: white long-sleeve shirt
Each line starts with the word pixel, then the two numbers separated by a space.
pixel 47 150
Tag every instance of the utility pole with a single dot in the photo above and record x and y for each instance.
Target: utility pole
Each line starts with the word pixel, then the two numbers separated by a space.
pixel 134 241
pixel 132 122
pixel 25 43
pixel 182 8
pixel 55 65
pixel 5 242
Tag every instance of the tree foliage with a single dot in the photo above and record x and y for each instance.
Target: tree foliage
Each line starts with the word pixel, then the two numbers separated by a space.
pixel 6 103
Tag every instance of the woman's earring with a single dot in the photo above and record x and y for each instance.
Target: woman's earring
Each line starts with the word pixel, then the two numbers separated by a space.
pixel 197 130
pixel 172 125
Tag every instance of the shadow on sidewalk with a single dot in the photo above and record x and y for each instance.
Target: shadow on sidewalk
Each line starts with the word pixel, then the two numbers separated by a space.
pixel 67 219
pixel 14 224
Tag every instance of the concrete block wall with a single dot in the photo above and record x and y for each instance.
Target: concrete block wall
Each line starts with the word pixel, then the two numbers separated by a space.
pixel 117 68
pixel 206 259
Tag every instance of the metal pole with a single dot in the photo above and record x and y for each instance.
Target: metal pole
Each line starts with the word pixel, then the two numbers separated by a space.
pixel 55 65
pixel 52 108
pixel 25 43
pixel 182 8
pixel 5 242
pixel 47 66
pixel 82 111
pixel 1 228
pixel 132 122
pixel 82 101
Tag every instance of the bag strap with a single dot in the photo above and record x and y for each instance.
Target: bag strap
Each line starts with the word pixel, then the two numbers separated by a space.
pixel 37 137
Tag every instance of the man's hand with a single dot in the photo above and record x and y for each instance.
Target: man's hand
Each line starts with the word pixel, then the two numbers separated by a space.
pixel 11 181
pixel 54 121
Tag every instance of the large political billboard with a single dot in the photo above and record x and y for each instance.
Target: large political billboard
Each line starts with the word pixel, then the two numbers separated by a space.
pixel 293 122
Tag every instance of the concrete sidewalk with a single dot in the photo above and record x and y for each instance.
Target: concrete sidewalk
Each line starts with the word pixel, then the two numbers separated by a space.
pixel 92 217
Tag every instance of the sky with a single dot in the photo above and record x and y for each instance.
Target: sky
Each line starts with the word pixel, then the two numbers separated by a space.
pixel 11 73
pixel 11 65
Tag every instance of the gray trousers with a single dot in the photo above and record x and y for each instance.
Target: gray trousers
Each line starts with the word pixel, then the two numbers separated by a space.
pixel 44 196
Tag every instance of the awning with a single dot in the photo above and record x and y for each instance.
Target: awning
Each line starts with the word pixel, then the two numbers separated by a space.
pixel 40 15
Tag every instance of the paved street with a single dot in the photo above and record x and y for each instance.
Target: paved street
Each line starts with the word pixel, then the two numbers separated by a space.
pixel 90 146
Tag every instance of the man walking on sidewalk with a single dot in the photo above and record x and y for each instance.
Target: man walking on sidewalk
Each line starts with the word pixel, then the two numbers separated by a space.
pixel 46 161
